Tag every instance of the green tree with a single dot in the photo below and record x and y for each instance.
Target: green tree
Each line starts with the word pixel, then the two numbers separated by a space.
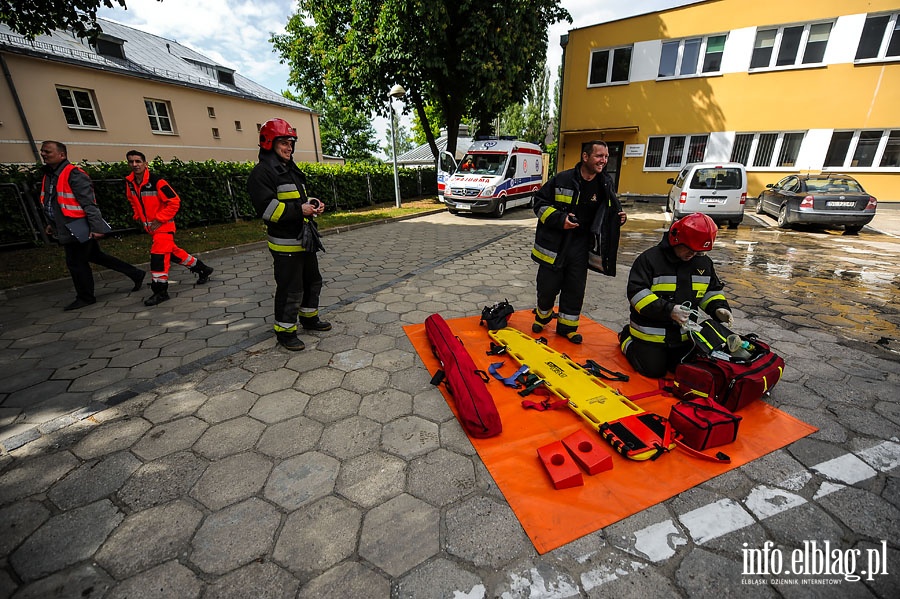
pixel 433 114
pixel 405 141
pixel 530 121
pixel 466 57
pixel 344 131
pixel 31 18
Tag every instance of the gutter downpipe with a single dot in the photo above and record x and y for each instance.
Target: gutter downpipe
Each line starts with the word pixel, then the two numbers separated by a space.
pixel 19 107
pixel 563 42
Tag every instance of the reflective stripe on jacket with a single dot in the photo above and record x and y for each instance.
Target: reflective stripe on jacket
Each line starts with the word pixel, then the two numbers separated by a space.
pixel 153 199
pixel 65 197
pixel 278 192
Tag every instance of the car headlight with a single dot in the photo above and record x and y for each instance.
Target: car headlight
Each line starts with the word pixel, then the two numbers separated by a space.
pixel 487 191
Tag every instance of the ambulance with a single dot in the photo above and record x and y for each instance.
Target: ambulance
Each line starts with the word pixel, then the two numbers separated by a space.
pixel 496 173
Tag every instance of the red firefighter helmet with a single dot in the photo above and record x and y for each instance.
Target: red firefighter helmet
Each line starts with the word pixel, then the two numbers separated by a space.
pixel 274 128
pixel 697 231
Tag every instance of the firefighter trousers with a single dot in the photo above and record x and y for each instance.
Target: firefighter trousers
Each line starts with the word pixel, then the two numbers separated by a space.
pixel 298 285
pixel 567 281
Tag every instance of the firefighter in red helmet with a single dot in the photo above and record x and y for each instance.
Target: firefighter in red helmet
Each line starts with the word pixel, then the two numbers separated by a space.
pixel 665 283
pixel 277 189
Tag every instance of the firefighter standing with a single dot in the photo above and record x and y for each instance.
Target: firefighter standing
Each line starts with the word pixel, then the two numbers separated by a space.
pixel 579 217
pixel 68 202
pixel 665 282
pixel 278 191
pixel 155 204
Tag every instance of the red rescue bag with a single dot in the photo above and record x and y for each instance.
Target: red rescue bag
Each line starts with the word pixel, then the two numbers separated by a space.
pixel 468 385
pixel 702 423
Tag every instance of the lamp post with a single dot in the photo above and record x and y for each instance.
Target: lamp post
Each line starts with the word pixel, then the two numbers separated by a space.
pixel 396 92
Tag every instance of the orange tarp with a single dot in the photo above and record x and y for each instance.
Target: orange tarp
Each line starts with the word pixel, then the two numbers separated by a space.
pixel 551 517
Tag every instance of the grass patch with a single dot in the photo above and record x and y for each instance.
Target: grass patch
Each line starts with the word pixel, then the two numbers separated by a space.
pixel 46 263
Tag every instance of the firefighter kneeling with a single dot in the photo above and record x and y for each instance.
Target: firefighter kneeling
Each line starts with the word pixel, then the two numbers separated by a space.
pixel 666 282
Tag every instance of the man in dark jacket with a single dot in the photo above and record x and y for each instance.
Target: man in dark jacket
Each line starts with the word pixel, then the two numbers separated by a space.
pixel 278 191
pixel 665 284
pixel 67 199
pixel 579 217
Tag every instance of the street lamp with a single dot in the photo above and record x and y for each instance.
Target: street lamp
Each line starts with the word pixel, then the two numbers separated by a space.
pixel 396 93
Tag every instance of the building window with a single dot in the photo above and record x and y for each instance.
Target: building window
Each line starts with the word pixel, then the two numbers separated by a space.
pixel 225 77
pixel 880 38
pixel 871 148
pixel 237 126
pixel 78 107
pixel 674 151
pixel 215 133
pixel 211 112
pixel 766 150
pixel 110 47
pixel 160 114
pixel 610 66
pixel 790 46
pixel 683 58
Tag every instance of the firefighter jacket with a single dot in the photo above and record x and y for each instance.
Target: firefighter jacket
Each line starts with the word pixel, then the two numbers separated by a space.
pixel 278 192
pixel 562 195
pixel 67 198
pixel 152 199
pixel 658 281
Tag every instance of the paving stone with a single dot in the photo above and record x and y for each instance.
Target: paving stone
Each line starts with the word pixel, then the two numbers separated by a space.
pixel 65 540
pixel 17 521
pixel 410 436
pixel 438 579
pixel 375 343
pixel 259 361
pixel 232 479
pixel 223 381
pixel 386 405
pixel 226 406
pixel 162 480
pixel 864 512
pixel 308 360
pixel 229 437
pixel 348 579
pixel 473 528
pixel 254 580
pixel 333 405
pixel 169 437
pixel 270 382
pixel 93 480
pixel 149 538
pixel 431 405
pixel 350 437
pixel 35 475
pixel 235 536
pixel 705 574
pixel 365 381
pixel 411 380
pixel 99 380
pixel 454 438
pixel 34 393
pixel 279 406
pixel 162 582
pixel 441 477
pixel 320 381
pixel 400 534
pixel 290 437
pixel 301 480
pixel 171 406
pixel 336 343
pixel 371 479
pixel 318 536
pixel 84 581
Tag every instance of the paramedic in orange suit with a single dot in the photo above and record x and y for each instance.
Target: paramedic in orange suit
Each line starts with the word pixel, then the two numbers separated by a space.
pixel 155 204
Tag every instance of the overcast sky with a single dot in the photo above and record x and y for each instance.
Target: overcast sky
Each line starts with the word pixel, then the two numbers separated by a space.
pixel 236 33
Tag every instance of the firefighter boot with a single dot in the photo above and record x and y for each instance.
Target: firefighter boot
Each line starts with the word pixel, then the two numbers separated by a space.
pixel 312 323
pixel 289 340
pixel 202 271
pixel 541 319
pixel 160 294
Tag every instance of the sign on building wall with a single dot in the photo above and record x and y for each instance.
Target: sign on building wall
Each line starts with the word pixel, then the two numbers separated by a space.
pixel 634 150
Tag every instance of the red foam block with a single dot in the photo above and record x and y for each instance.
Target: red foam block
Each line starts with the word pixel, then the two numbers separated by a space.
pixel 559 464
pixel 588 452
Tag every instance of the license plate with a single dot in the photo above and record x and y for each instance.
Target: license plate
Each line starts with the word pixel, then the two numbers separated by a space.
pixel 464 206
pixel 840 204
pixel 712 200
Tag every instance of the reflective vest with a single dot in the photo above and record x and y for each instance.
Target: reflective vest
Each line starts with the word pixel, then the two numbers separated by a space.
pixel 68 205
pixel 152 199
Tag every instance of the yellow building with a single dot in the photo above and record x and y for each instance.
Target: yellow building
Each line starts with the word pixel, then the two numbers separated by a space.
pixel 783 87
pixel 131 89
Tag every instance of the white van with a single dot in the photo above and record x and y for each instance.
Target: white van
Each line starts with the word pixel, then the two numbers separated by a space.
pixel 717 189
pixel 495 174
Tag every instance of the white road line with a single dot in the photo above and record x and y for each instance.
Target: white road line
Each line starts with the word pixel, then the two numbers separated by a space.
pixel 715 520
pixel 766 502
pixel 847 469
pixel 658 541
pixel 884 456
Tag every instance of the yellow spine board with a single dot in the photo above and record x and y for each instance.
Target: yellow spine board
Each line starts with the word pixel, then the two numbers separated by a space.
pixel 595 401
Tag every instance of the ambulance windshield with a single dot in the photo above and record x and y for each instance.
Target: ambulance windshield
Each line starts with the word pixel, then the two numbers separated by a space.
pixel 482 164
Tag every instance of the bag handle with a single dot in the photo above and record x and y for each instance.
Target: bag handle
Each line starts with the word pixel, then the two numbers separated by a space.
pixel 694 404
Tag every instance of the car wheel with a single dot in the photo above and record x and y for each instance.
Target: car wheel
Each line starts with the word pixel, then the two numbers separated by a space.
pixel 783 217
pixel 500 210
pixel 453 211
pixel 670 205
pixel 733 224
pixel 759 205
pixel 852 229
